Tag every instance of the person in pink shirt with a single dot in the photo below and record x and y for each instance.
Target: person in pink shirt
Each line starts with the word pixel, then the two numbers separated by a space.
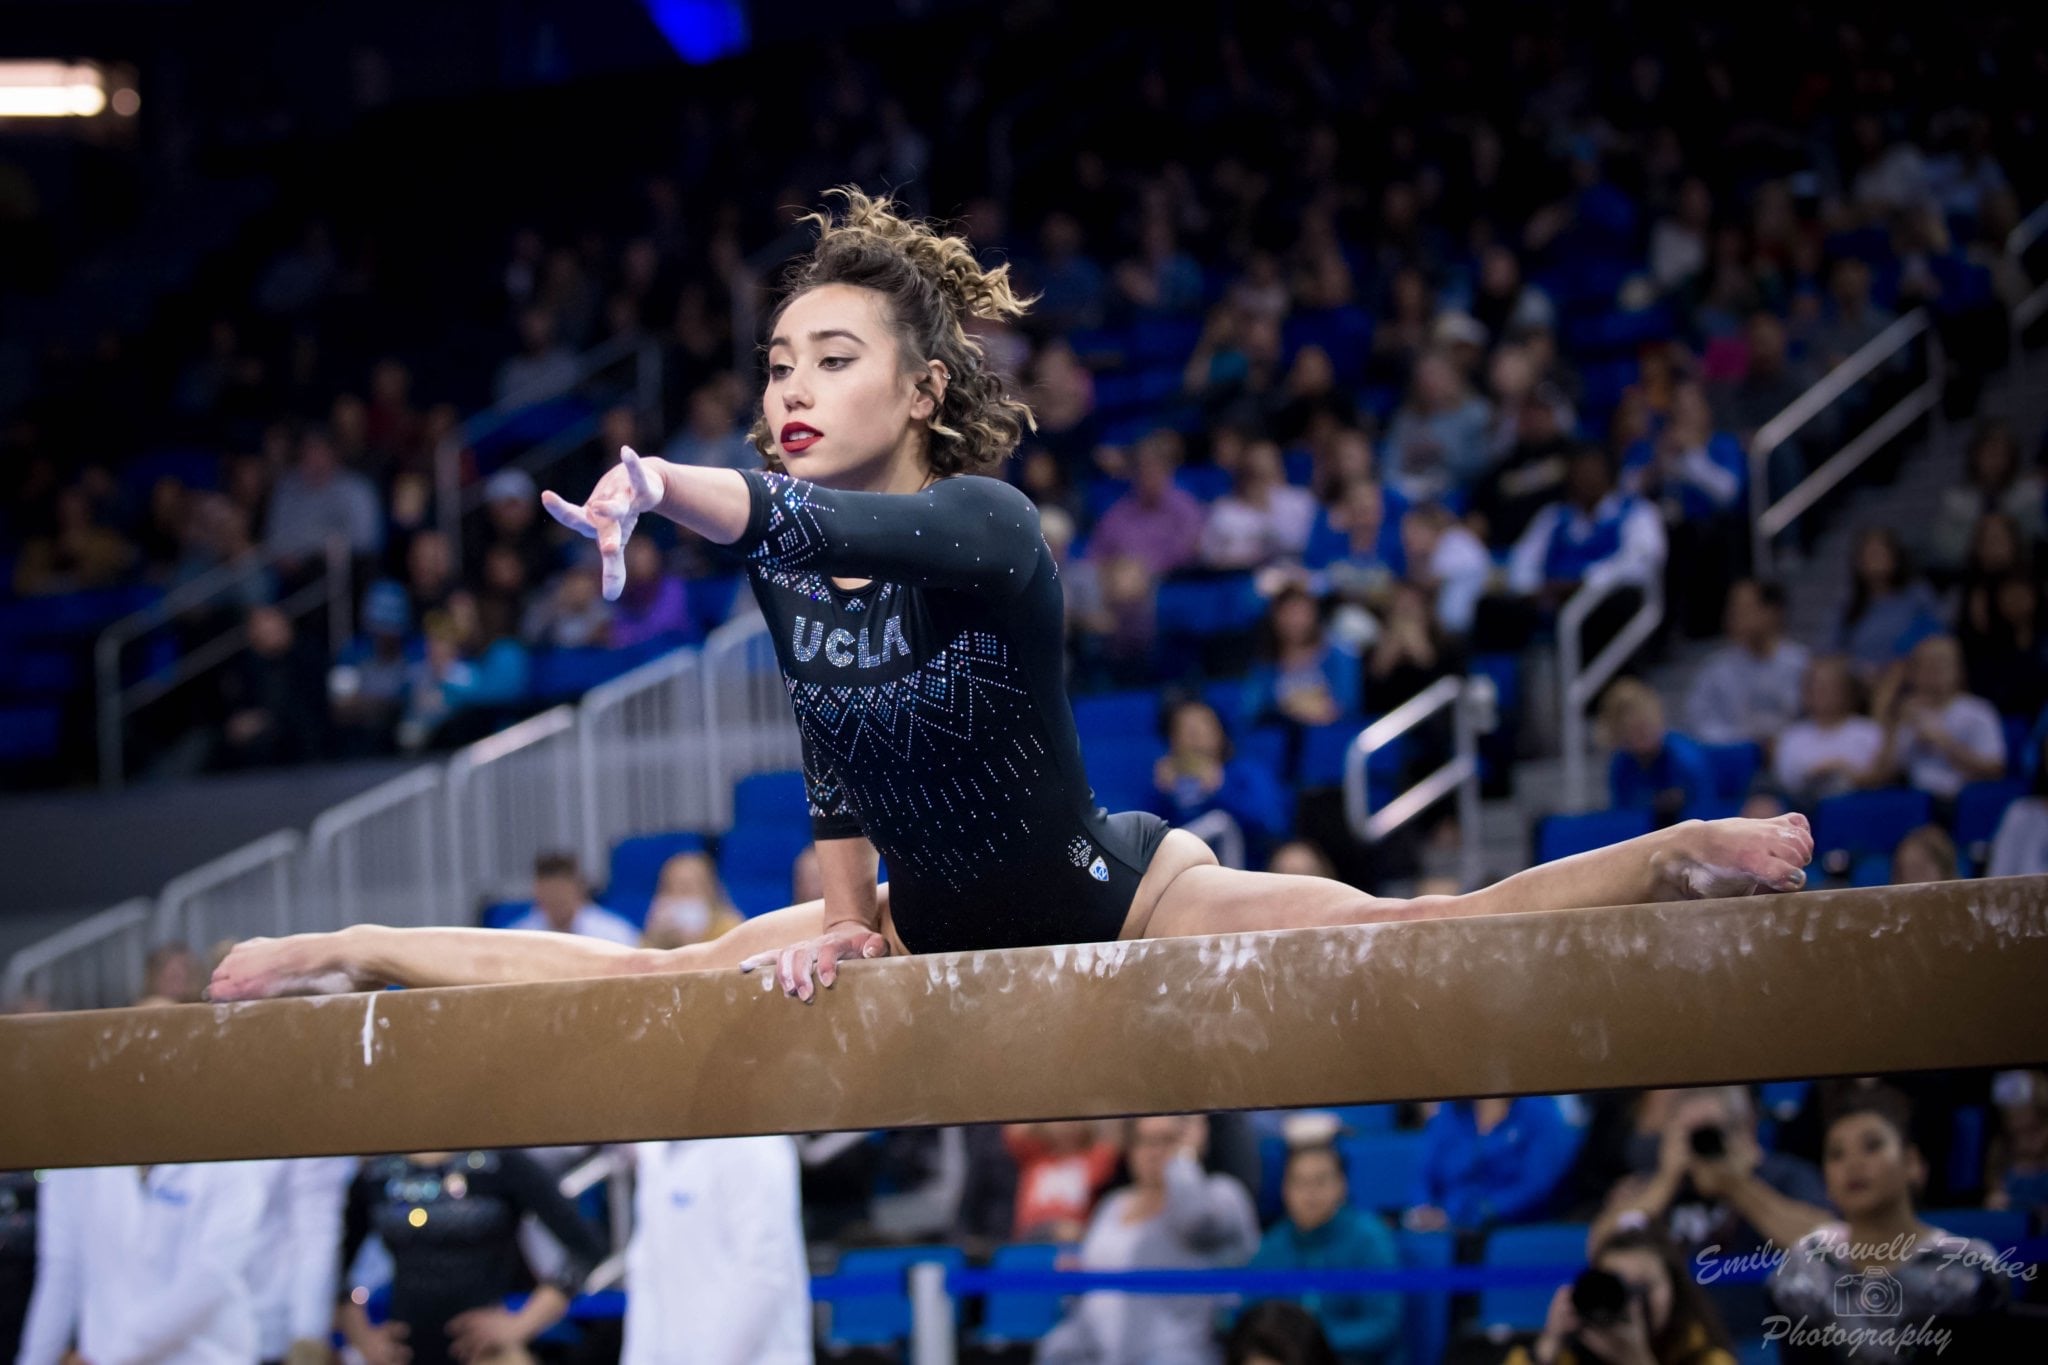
pixel 1157 523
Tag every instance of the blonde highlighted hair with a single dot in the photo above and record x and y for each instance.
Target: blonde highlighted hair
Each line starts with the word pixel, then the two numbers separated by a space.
pixel 933 286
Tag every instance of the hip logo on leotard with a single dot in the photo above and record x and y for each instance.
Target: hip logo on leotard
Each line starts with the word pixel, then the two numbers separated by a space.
pixel 1080 851
pixel 1099 870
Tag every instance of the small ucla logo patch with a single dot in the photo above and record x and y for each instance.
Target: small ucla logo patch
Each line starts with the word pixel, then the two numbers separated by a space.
pixel 1098 870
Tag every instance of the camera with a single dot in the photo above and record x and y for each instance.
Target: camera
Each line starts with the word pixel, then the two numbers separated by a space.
pixel 1708 1140
pixel 1873 1294
pixel 1601 1298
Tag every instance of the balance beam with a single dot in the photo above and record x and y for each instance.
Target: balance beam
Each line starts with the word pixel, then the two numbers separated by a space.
pixel 1767 987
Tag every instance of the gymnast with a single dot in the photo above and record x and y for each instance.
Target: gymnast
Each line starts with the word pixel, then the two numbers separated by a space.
pixel 917 618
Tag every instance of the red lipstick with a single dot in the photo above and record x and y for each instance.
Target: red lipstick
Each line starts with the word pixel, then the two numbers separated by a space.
pixel 797 436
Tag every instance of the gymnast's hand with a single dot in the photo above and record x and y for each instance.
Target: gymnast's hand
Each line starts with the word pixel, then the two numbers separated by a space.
pixel 849 940
pixel 259 968
pixel 608 515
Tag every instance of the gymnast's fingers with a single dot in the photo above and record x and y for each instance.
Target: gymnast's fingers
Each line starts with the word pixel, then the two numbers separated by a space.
pixel 566 512
pixel 647 489
pixel 611 553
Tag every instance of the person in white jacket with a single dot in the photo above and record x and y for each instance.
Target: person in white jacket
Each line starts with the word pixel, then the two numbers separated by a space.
pixel 297 1267
pixel 147 1264
pixel 715 1270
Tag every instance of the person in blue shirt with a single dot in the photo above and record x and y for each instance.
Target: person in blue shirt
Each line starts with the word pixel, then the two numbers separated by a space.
pixel 1323 1232
pixel 1303 677
pixel 1654 768
pixel 1489 1161
pixel 1197 775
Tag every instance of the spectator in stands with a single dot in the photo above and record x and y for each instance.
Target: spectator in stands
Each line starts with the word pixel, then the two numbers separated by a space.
pixel 1833 747
pixel 394 428
pixel 714 436
pixel 1262 519
pixel 1529 475
pixel 216 534
pixel 1411 652
pixel 1718 1189
pixel 1158 523
pixel 273 694
pixel 562 904
pixel 1402 332
pixel 690 904
pixel 1695 476
pixel 296 1276
pixel 1198 774
pixel 1999 624
pixel 1071 287
pixel 76 555
pixel 512 521
pixel 1873 1171
pixel 1447 562
pixel 18 1191
pixel 1665 1319
pixel 1678 241
pixel 1995 480
pixel 1504 304
pixel 465 680
pixel 1061 1168
pixel 171 975
pixel 1437 444
pixel 1595 535
pixel 318 500
pixel 2016 1164
pixel 451 1222
pixel 1161 278
pixel 1302 676
pixel 1769 384
pixel 1889 610
pixel 570 613
pixel 1171 1215
pixel 1323 1232
pixel 1491 1161
pixel 543 367
pixel 430 573
pixel 146 1263
pixel 1353 550
pixel 654 602
pixel 1938 737
pixel 1311 395
pixel 1925 854
pixel 502 592
pixel 2021 844
pixel 1852 320
pixel 1301 858
pixel 1749 688
pixel 715 1268
pixel 1277 1332
pixel 1654 769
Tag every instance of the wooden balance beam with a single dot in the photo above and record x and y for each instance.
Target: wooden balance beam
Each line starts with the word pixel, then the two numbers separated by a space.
pixel 1767 987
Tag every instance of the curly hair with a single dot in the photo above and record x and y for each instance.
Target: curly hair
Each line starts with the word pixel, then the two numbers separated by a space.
pixel 932 285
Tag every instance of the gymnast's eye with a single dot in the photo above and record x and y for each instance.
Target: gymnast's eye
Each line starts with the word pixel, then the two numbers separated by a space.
pixel 778 371
pixel 835 362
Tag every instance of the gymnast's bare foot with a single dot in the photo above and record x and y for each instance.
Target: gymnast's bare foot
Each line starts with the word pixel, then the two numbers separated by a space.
pixel 1738 857
pixel 303 964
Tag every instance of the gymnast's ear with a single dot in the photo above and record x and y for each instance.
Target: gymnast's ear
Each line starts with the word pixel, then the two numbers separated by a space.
pixel 931 391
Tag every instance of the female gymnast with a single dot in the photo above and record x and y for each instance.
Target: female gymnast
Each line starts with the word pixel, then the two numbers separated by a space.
pixel 917 619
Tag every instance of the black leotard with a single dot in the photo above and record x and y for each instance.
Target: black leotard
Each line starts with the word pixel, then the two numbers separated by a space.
pixel 933 708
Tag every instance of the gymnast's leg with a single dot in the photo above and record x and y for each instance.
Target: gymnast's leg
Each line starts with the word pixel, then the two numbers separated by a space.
pixel 369 956
pixel 1185 892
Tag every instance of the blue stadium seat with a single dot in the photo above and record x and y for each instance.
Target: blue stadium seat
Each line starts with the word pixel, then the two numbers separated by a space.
pixel 879 1320
pixel 1855 823
pixel 504 914
pixel 711 600
pixel 1871 869
pixel 1979 808
pixel 1301 467
pixel 1204 607
pixel 2019 730
pixel 1534 1244
pixel 1782 1099
pixel 1265 746
pixel 1966 1146
pixel 1712 808
pixel 1229 698
pixel 1734 767
pixel 1560 836
pixel 1322 756
pixel 1120 769
pixel 28 733
pixel 1383 1168
pixel 1116 715
pixel 1203 481
pixel 1426 1315
pixel 562 673
pixel 757 895
pixel 2003 1228
pixel 761 854
pixel 1011 1318
pixel 770 799
pixel 636 870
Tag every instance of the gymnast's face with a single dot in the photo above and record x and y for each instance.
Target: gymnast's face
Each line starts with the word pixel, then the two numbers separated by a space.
pixel 843 404
pixel 1869 1165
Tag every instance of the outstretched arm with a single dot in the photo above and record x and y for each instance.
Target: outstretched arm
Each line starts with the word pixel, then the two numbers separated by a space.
pixel 371 956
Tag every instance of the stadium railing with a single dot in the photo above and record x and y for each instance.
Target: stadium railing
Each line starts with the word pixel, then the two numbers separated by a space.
pixel 1471 703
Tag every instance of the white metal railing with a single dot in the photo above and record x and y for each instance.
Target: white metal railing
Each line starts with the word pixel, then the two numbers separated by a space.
pixel 746 711
pixel 93 964
pixel 508 797
pixel 1769 519
pixel 643 753
pixel 1580 681
pixel 381 858
pixel 1221 832
pixel 115 703
pixel 244 894
pixel 1471 702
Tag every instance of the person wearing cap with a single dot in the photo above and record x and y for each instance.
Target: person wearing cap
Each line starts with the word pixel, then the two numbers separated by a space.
pixel 512 518
pixel 366 686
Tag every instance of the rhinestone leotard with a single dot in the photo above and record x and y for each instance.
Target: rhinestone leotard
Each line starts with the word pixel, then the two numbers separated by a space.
pixel 933 708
